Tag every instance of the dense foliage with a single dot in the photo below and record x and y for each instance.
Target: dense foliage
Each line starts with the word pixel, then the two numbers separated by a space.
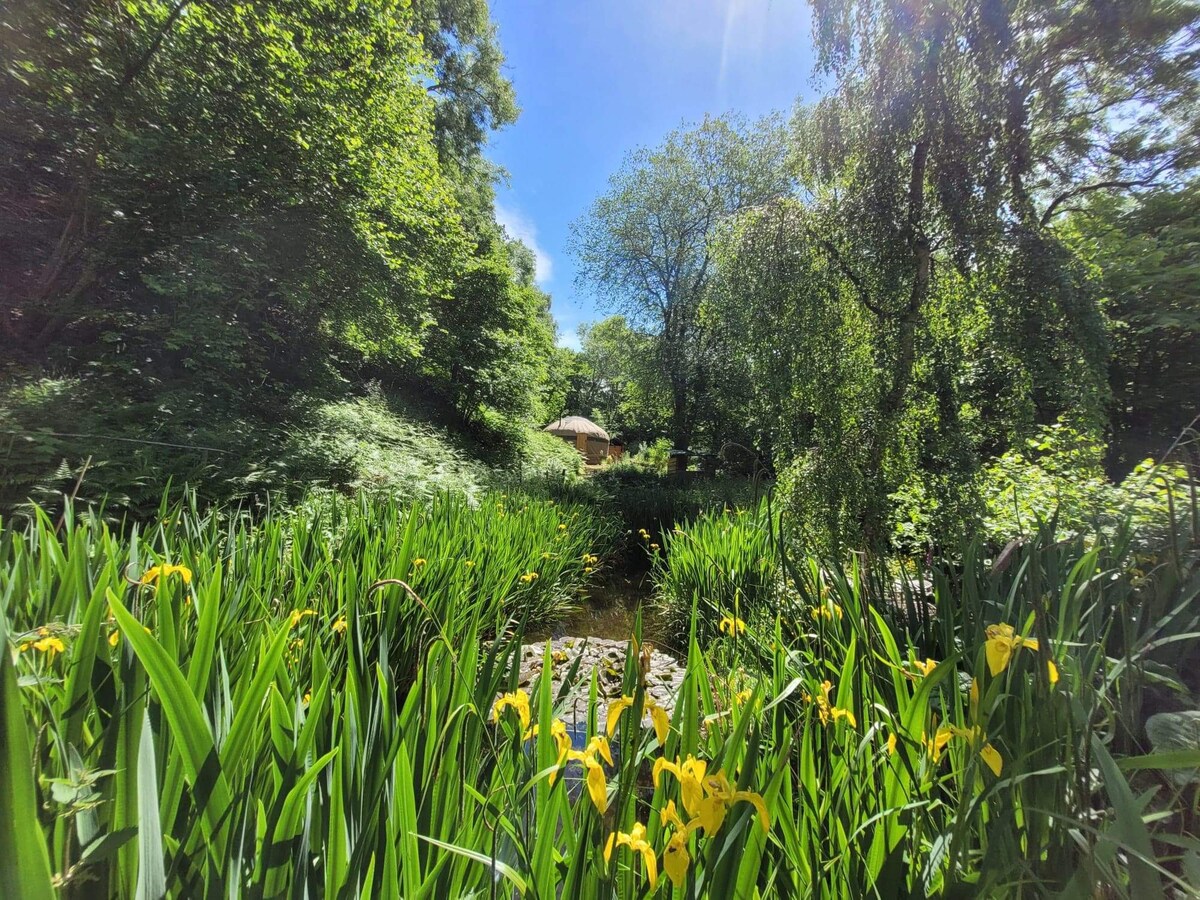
pixel 221 216
pixel 965 228
pixel 1145 256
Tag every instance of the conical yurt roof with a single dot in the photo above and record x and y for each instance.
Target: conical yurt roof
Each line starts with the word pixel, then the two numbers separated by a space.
pixel 572 425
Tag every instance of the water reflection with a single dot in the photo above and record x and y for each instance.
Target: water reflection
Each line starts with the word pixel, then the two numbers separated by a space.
pixel 608 611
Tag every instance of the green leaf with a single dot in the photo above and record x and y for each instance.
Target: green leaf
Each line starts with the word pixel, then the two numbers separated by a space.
pixel 202 767
pixel 152 881
pixel 24 860
pixel 494 864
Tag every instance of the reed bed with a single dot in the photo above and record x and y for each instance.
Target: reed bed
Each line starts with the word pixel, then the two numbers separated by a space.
pixel 299 707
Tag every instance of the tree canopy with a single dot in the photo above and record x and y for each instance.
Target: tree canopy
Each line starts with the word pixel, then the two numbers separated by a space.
pixel 645 245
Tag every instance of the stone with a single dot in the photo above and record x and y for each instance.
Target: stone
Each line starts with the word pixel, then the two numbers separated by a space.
pixel 1170 731
pixel 607 659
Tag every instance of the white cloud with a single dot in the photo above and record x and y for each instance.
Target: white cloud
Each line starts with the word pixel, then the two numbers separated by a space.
pixel 520 227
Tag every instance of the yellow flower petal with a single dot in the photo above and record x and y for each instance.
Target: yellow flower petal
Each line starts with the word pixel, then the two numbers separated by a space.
pixel 992 758
pixel 999 652
pixel 676 858
pixel 651 863
pixel 597 784
pixel 615 709
pixel 669 815
pixel 711 813
pixel 731 625
pixel 661 764
pixel 939 742
pixel 517 700
pixel 602 747
pixel 662 724
pixel 50 646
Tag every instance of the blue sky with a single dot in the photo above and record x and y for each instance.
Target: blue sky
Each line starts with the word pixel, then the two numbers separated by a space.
pixel 597 78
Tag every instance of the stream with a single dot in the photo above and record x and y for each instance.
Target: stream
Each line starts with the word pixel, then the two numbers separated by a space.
pixel 608 611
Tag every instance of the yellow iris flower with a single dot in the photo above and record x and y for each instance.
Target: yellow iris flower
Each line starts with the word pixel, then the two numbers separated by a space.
pixel 926 667
pixel 827 611
pixel 731 625
pixel 636 841
pixel 975 736
pixel 1003 642
pixel 49 645
pixel 339 625
pixel 298 615
pixel 826 711
pixel 597 746
pixel 690 774
pixel 676 858
pixel 597 783
pixel 518 700
pixel 720 796
pixel 162 573
pixel 558 731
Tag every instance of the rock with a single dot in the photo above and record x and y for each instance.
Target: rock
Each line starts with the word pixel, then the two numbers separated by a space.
pixel 1169 731
pixel 607 659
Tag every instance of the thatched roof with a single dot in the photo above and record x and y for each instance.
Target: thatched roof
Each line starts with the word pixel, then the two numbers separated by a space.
pixel 569 426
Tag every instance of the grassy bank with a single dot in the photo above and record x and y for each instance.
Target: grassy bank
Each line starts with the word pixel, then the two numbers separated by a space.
pixel 62 437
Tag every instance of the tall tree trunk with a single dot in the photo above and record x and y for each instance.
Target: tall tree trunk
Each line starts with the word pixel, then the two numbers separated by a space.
pixel 681 424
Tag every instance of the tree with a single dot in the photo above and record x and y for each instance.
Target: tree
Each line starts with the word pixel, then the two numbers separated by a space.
pixel 645 244
pixel 256 181
pixel 618 384
pixel 956 133
pixel 494 337
pixel 473 96
pixel 1145 253
pixel 219 215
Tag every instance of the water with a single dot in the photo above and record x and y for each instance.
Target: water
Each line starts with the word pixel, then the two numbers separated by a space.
pixel 608 611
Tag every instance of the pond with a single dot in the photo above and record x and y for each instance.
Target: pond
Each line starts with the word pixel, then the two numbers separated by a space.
pixel 609 611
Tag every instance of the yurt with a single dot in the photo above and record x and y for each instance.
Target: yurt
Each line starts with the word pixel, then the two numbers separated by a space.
pixel 584 435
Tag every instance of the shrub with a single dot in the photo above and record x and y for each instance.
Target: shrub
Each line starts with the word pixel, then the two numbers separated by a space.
pixel 1058 477
pixel 1055 478
pixel 651 456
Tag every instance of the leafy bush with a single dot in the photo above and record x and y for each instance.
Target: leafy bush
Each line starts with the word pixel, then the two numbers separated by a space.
pixel 369 444
pixel 644 501
pixel 547 456
pixel 1058 477
pixel 651 457
pixel 83 437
